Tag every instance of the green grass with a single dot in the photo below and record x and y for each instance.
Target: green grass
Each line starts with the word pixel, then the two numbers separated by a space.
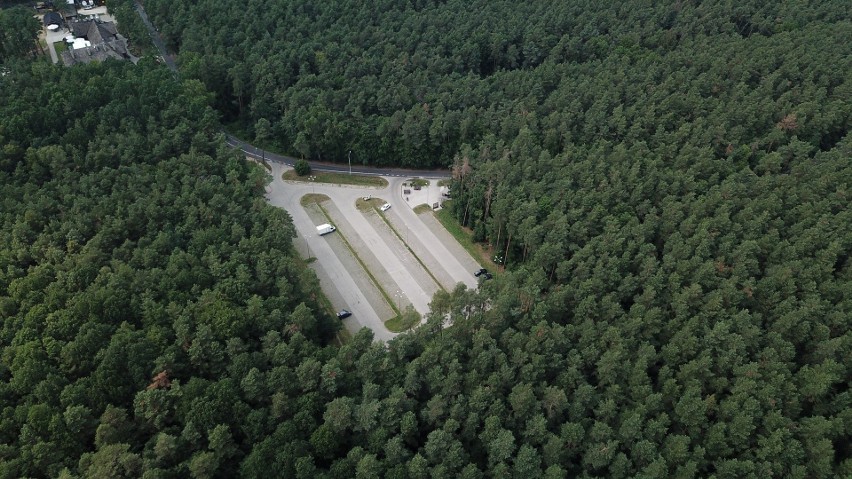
pixel 420 209
pixel 337 179
pixel 418 182
pixel 60 47
pixel 343 336
pixel 313 198
pixel 398 325
pixel 367 205
pixel 464 237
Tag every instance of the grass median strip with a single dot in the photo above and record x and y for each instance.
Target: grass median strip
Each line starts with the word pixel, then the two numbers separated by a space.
pixel 361 262
pixel 403 322
pixel 336 178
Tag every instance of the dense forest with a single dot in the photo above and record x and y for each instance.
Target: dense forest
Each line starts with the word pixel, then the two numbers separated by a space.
pixel 18 31
pixel 143 279
pixel 403 82
pixel 668 186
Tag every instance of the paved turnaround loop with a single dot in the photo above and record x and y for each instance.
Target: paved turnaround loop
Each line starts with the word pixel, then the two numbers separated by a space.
pixel 452 261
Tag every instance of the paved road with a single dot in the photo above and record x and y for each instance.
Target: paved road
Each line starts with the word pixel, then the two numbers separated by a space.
pixel 455 262
pixel 256 152
pixel 155 37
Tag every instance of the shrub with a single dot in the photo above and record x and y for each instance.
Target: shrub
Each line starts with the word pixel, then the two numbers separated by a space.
pixel 302 167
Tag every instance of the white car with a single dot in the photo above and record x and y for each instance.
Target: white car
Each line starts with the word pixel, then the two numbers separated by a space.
pixel 385 207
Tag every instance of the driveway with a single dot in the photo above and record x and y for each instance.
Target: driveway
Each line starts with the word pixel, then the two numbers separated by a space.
pixel 403 278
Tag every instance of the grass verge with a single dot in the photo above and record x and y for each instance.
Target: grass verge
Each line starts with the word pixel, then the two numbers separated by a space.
pixel 420 209
pixel 464 237
pixel 337 179
pixel 369 204
pixel 343 336
pixel 313 198
pixel 398 324
pixel 60 47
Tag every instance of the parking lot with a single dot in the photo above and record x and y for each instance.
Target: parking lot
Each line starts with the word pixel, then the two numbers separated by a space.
pixel 376 261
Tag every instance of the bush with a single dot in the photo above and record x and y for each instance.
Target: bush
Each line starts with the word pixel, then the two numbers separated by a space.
pixel 302 167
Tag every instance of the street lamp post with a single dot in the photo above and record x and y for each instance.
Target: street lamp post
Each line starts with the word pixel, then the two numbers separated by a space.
pixel 350 162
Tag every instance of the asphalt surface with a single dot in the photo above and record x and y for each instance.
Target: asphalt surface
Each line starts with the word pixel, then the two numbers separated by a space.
pixel 258 153
pixel 413 286
pixel 158 41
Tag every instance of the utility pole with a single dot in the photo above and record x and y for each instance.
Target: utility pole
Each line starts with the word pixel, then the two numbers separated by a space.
pixel 350 162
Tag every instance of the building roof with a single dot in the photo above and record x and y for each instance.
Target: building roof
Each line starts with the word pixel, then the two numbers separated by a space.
pixel 96 52
pixel 52 18
pixel 95 31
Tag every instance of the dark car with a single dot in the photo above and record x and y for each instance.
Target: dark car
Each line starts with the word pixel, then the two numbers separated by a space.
pixel 343 314
pixel 487 275
pixel 480 272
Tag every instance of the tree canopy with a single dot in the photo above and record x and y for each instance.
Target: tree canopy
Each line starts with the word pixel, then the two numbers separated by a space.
pixel 18 33
pixel 667 186
pixel 141 276
pixel 408 82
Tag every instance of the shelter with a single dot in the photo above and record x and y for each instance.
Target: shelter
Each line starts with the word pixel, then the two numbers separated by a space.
pixel 53 21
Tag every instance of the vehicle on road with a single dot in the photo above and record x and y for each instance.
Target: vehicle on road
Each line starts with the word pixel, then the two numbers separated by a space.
pixel 325 229
pixel 480 272
pixel 385 207
pixel 343 314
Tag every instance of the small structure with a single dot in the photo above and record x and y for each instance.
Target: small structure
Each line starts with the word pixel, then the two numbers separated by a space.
pixel 53 21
